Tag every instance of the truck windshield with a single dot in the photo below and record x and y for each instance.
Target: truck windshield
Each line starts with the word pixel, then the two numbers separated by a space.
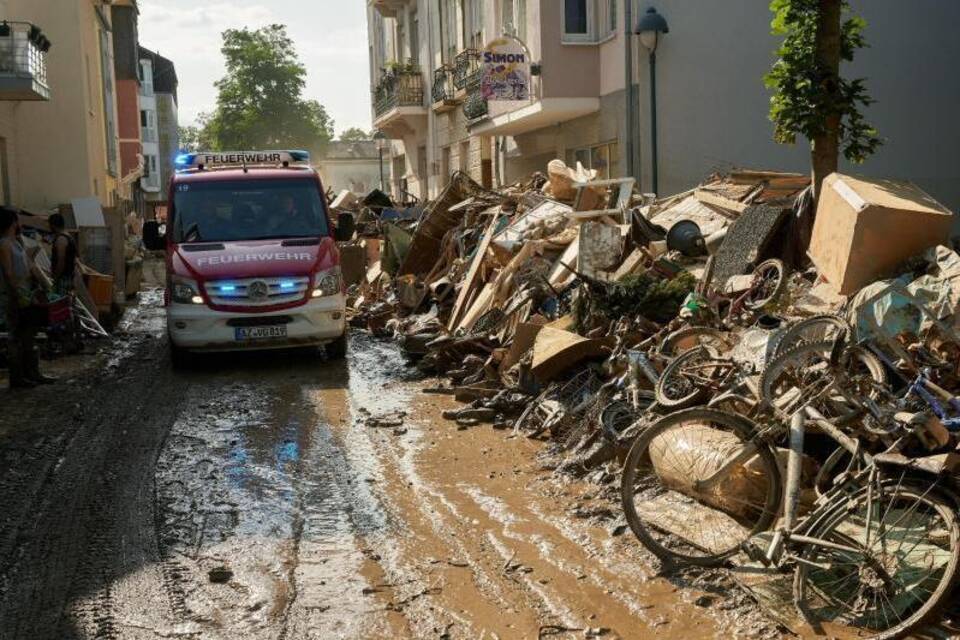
pixel 248 210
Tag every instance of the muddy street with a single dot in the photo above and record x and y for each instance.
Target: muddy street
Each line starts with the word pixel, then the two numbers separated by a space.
pixel 265 496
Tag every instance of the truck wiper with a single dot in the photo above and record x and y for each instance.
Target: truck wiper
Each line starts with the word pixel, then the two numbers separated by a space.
pixel 283 237
pixel 192 233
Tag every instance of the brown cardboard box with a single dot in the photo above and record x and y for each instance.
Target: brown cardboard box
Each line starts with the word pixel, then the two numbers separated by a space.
pixel 866 227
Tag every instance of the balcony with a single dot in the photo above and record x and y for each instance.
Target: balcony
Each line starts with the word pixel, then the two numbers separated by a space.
pixel 444 90
pixel 467 69
pixel 475 106
pixel 398 100
pixel 23 62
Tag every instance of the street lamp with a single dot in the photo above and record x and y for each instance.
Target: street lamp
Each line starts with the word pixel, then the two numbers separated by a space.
pixel 381 139
pixel 650 27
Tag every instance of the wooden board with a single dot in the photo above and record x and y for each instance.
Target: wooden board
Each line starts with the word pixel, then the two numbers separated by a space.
pixel 469 282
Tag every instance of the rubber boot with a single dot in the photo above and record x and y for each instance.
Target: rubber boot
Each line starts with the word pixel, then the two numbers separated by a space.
pixel 15 359
pixel 32 368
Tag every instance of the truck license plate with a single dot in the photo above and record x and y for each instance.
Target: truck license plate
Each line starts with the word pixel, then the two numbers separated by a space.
pixel 261 333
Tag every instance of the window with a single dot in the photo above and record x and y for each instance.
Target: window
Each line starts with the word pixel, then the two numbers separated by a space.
pixel 589 21
pixel 110 125
pixel 513 18
pixel 414 37
pixel 400 40
pixel 143 119
pixel 604 158
pixel 473 24
pixel 248 210
pixel 422 164
pixel 146 77
pixel 465 156
pixel 450 20
pixel 576 21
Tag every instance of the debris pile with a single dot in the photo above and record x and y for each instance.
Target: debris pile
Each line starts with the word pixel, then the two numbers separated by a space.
pixel 575 310
pixel 511 295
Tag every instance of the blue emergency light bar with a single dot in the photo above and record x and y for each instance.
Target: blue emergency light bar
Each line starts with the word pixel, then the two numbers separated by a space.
pixel 209 160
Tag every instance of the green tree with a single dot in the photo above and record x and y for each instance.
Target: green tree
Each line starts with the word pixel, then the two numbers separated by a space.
pixel 260 103
pixel 810 98
pixel 194 138
pixel 355 134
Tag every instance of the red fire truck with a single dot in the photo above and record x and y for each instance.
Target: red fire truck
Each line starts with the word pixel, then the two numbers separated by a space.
pixel 252 260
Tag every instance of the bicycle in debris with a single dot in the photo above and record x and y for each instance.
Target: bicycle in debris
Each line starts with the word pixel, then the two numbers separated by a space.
pixel 878 549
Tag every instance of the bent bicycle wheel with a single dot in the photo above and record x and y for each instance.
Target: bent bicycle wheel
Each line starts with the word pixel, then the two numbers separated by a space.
pixel 684 383
pixel 682 340
pixel 902 540
pixel 803 375
pixel 691 491
pixel 821 328
pixel 770 279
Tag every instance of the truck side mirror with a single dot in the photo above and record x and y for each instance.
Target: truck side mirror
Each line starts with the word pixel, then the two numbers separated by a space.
pixel 346 226
pixel 153 240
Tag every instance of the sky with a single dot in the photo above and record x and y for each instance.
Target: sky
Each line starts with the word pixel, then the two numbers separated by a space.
pixel 330 37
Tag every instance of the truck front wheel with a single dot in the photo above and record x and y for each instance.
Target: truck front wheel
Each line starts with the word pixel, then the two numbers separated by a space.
pixel 337 350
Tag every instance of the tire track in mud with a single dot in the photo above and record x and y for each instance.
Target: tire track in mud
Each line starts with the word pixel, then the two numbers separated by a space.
pixel 81 526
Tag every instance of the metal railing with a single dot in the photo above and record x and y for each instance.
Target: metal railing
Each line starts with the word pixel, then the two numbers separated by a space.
pixel 148 134
pixel 475 105
pixel 23 51
pixel 398 87
pixel 467 68
pixel 443 87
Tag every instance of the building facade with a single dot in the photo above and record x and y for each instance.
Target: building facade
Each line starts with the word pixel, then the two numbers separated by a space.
pixel 354 166
pixel 594 87
pixel 68 146
pixel 126 60
pixel 159 125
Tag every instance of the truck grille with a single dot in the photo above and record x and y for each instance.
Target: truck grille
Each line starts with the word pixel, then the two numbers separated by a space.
pixel 257 292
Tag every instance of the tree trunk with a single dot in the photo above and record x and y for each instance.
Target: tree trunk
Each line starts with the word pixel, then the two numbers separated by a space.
pixel 826 147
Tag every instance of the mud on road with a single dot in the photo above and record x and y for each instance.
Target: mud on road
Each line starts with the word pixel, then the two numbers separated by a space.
pixel 253 497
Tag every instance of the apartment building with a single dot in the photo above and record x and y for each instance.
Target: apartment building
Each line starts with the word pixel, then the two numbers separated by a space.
pixel 425 65
pixel 126 59
pixel 159 126
pixel 711 107
pixel 67 146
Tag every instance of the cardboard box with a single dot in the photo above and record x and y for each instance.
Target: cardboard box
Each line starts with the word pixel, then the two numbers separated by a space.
pixel 866 227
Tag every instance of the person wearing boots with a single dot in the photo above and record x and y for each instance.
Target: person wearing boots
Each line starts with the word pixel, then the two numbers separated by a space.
pixel 17 287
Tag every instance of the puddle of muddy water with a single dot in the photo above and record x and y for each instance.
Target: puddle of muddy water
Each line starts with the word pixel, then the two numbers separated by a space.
pixel 253 479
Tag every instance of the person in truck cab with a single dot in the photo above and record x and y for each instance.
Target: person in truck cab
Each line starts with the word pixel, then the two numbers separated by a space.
pixel 291 219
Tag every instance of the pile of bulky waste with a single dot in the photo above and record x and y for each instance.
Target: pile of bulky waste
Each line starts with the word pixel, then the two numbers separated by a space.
pixel 768 379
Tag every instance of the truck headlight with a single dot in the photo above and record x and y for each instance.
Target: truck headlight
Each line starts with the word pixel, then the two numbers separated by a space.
pixel 184 291
pixel 327 283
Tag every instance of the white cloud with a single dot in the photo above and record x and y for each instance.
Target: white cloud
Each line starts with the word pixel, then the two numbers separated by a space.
pixel 330 36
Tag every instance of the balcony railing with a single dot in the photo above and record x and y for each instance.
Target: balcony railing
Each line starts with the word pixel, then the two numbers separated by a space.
pixel 443 87
pixel 398 87
pixel 467 68
pixel 149 135
pixel 23 62
pixel 475 105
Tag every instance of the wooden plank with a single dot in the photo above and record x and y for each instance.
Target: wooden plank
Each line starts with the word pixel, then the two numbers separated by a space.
pixel 715 200
pixel 479 307
pixel 469 281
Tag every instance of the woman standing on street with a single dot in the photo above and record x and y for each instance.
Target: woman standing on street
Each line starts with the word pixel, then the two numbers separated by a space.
pixel 18 286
